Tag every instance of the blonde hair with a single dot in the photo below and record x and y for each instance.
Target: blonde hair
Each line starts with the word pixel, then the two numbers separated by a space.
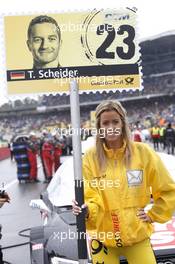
pixel 112 106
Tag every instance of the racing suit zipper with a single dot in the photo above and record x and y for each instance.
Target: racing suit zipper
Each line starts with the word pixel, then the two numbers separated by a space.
pixel 116 215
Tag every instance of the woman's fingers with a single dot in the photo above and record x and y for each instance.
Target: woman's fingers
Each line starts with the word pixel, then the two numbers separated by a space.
pixel 143 216
pixel 3 200
pixel 75 208
pixel 74 201
pixel 84 206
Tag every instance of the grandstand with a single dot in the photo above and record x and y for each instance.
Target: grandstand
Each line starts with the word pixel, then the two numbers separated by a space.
pixel 156 101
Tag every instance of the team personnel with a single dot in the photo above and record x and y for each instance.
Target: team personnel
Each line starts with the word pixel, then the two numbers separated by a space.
pixel 32 151
pixel 162 136
pixel 137 135
pixel 57 151
pixel 118 176
pixel 47 153
pixel 169 139
pixel 155 135
pixel 44 135
pixel 69 144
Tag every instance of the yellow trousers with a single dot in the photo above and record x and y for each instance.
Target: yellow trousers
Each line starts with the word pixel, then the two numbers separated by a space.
pixel 139 253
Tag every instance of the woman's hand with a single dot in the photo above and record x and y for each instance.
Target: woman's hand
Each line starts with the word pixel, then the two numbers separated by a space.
pixel 143 216
pixel 77 209
pixel 4 200
pixel 6 197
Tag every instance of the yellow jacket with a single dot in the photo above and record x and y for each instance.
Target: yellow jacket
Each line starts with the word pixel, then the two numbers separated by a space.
pixel 115 196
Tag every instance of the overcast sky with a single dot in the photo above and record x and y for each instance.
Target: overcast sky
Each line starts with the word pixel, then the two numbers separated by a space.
pixel 155 17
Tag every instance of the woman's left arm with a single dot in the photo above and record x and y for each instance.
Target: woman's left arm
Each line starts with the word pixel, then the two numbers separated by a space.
pixel 163 190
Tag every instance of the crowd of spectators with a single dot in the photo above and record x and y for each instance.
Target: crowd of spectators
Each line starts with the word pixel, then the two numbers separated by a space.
pixel 153 85
pixel 146 111
pixel 23 124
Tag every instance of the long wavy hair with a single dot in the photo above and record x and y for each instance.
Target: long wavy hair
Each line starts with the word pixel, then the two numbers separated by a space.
pixel 126 134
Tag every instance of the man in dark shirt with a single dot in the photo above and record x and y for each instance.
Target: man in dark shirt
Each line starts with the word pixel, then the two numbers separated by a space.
pixel 170 139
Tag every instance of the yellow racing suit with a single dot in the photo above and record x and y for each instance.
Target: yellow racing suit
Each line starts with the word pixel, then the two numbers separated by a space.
pixel 115 195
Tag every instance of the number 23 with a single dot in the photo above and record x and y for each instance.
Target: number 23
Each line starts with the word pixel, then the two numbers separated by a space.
pixel 101 51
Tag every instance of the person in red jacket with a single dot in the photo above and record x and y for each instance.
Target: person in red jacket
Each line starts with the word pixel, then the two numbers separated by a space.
pixel 47 153
pixel 57 151
pixel 137 136
pixel 32 151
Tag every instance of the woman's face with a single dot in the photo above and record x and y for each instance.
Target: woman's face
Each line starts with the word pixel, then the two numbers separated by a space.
pixel 111 126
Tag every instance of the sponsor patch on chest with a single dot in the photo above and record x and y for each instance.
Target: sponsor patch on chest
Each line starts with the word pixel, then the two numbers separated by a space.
pixel 134 177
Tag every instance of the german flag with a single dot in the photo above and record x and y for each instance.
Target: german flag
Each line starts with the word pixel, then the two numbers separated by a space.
pixel 17 75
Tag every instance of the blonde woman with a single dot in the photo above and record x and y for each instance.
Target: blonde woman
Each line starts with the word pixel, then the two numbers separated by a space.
pixel 119 177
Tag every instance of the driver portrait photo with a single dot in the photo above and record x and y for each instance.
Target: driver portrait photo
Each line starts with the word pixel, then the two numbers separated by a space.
pixel 44 39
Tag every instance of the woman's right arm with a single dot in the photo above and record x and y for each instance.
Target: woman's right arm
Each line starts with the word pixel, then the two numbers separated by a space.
pixel 93 202
pixel 93 199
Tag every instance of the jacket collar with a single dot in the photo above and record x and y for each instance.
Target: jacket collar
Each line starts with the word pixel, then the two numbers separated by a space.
pixel 114 153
